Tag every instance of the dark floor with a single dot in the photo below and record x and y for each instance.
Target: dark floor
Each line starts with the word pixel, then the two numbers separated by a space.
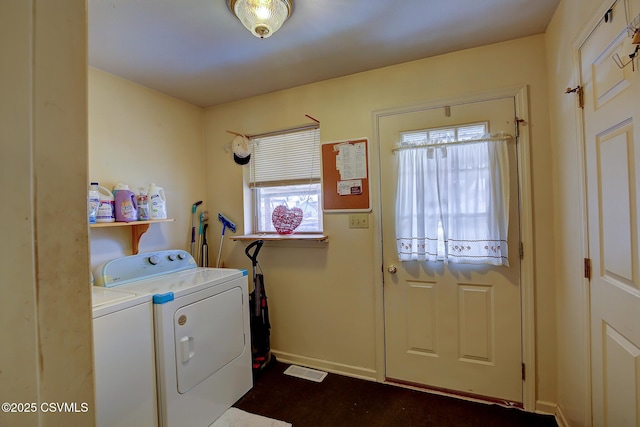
pixel 344 401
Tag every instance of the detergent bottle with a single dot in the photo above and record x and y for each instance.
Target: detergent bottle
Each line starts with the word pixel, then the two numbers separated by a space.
pixel 93 201
pixel 119 186
pixel 126 204
pixel 106 207
pixel 157 202
pixel 143 204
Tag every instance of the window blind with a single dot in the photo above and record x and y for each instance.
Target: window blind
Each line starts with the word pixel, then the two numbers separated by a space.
pixel 285 159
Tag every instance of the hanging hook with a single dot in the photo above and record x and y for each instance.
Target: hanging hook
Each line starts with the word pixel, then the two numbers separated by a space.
pixel 633 31
pixel 306 115
pixel 632 57
pixel 608 16
pixel 236 133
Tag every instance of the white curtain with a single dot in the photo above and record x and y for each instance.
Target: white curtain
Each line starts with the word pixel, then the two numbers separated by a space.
pixel 452 202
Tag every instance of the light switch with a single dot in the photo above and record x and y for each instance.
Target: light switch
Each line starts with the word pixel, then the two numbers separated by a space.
pixel 359 221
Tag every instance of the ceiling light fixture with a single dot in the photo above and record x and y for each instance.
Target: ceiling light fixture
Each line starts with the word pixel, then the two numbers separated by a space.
pixel 261 17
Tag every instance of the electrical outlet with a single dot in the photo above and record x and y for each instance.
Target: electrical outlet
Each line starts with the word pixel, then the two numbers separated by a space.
pixel 359 221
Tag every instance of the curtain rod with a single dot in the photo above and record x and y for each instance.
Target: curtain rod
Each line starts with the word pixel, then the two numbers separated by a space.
pixel 284 131
pixel 279 132
pixel 444 144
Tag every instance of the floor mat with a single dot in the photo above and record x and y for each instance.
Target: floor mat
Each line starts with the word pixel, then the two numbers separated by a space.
pixel 234 417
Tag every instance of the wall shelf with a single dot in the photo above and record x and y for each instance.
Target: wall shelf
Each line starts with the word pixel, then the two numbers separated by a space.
pixel 282 237
pixel 296 240
pixel 138 228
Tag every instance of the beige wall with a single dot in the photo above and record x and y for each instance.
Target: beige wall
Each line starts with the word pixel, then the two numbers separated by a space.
pixel 138 136
pixel 323 299
pixel 45 311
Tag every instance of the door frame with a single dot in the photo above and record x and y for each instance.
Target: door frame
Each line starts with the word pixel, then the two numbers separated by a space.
pixel 520 94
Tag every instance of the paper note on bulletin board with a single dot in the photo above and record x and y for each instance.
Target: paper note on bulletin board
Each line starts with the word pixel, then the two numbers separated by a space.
pixel 345 176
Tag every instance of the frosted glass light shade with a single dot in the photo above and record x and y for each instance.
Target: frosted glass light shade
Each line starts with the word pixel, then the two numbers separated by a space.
pixel 261 17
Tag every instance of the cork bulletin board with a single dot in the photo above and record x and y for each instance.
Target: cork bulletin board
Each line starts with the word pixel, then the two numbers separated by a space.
pixel 345 176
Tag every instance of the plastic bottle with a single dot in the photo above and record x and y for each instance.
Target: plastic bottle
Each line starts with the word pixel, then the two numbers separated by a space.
pixel 126 204
pixel 143 204
pixel 119 186
pixel 157 202
pixel 106 209
pixel 93 201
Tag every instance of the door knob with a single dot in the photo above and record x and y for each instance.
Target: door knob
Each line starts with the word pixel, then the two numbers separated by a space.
pixel 392 269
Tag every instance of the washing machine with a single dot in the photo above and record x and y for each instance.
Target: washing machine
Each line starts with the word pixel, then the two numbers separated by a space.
pixel 124 359
pixel 201 331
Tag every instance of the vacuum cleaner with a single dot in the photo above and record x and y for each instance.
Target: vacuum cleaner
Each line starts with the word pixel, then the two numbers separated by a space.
pixel 261 356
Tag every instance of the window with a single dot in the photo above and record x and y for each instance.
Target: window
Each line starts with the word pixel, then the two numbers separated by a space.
pixel 443 135
pixel 285 171
pixel 452 200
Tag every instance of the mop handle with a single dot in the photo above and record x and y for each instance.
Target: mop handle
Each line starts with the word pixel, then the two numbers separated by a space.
pixel 224 227
pixel 194 208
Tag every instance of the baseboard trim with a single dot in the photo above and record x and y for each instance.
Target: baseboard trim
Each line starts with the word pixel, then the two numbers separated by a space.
pixel 560 418
pixel 325 365
pixel 549 408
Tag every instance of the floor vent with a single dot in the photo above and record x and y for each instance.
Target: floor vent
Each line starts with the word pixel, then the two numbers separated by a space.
pixel 305 373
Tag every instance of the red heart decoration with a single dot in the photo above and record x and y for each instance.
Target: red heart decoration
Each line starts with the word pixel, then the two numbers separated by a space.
pixel 286 220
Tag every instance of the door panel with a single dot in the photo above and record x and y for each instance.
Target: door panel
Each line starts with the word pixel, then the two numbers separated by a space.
pixel 616 245
pixel 421 317
pixel 455 327
pixel 612 154
pixel 475 313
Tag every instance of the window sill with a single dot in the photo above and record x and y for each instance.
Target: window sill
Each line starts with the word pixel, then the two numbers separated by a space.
pixel 282 237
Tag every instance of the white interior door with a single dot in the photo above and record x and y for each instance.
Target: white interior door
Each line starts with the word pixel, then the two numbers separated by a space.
pixel 612 149
pixel 454 327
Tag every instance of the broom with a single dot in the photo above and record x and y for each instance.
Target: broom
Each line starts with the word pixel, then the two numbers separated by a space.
pixel 226 223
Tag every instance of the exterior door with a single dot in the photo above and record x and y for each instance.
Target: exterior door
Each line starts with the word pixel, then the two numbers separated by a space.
pixel 452 327
pixel 612 152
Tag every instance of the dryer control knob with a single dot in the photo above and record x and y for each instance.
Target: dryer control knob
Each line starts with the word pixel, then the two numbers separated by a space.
pixel 172 257
pixel 154 260
pixel 181 255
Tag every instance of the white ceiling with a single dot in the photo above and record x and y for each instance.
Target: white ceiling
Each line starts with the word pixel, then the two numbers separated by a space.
pixel 197 51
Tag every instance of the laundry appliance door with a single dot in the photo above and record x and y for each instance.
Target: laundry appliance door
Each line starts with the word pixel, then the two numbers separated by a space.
pixel 209 334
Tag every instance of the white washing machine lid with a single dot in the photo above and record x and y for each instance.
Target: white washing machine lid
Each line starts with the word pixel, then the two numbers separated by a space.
pixel 106 301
